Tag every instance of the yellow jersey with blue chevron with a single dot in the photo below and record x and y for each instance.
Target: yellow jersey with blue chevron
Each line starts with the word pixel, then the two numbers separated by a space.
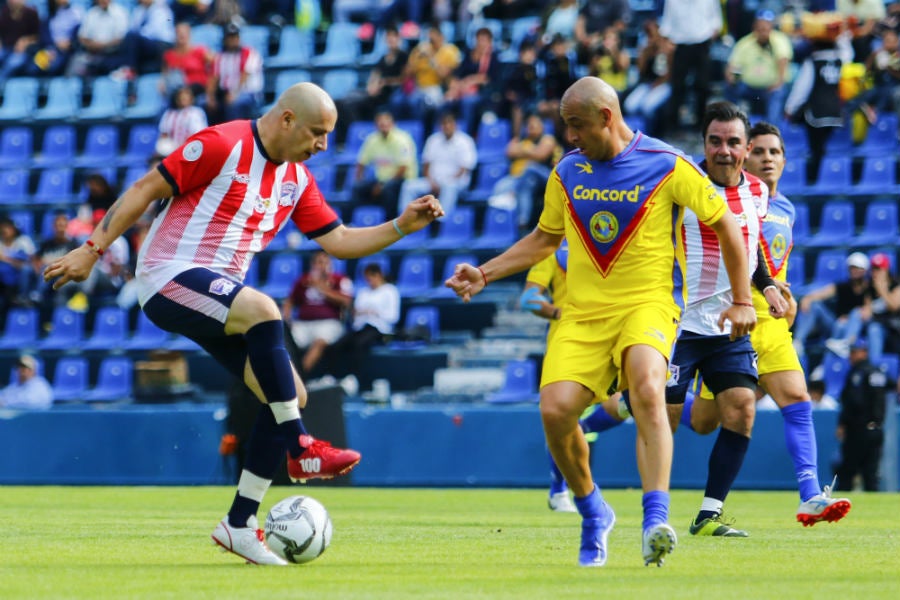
pixel 550 274
pixel 622 220
pixel 776 241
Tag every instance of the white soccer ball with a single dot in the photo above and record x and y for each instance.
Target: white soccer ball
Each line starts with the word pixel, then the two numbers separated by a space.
pixel 298 529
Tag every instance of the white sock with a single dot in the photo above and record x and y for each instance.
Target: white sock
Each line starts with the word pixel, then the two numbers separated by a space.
pixel 712 505
pixel 285 411
pixel 253 486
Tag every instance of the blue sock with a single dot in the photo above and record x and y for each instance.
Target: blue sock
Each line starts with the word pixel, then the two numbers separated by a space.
pixel 725 461
pixel 598 421
pixel 265 451
pixel 800 437
pixel 557 481
pixel 589 506
pixel 656 508
pixel 686 412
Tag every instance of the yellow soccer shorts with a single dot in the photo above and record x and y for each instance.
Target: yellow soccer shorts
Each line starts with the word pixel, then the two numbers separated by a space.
pixel 590 352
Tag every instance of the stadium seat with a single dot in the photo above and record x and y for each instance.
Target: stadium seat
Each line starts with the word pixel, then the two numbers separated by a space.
pixel 357 132
pixel 16 147
pixel 520 384
pixel 414 275
pixel 879 177
pixel 108 98
pixel 890 364
pixel 489 173
pixel 101 147
pixel 520 29
pixel 801 231
pixel 251 277
pixel 491 139
pixel 421 326
pixel 830 268
pixel 796 144
pixel 836 225
pixel 341 47
pixel 282 271
pixel 793 178
pixel 24 221
pixel 382 260
pixel 21 329
pixel 13 186
pixel 285 79
pixel 834 374
pixel 110 329
pixel 326 179
pixel 379 48
pixel 796 273
pixel 455 230
pixel 840 143
pixel 256 37
pixel 70 379
pixel 416 130
pixel 67 330
pixel 140 147
pixel 499 230
pixel 20 99
pixel 367 216
pixel 294 48
pixel 63 100
pixel 208 35
pixel 340 82
pixel 54 187
pixel 57 147
pixel 149 102
pixel 835 176
pixel 880 225
pixel 881 138
pixel 416 240
pixel 114 382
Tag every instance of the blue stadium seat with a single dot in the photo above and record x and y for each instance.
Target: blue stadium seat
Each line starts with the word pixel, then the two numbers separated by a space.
pixel 416 130
pixel 455 230
pixel 520 384
pixel 294 49
pixel 108 98
pixel 101 147
pixel 801 230
pixel 836 225
pixel 20 99
pixel 54 187
pixel 414 275
pixel 840 143
pixel 341 47
pixel 499 230
pixel 140 146
pixel 890 364
pixel 21 329
pixel 149 102
pixel 114 382
pixel 132 174
pixel 880 225
pixel 793 179
pixel 367 216
pixel 208 35
pixel 379 48
pixel 835 176
pixel 796 273
pixel 70 379
pixel 16 147
pixel 256 37
pixel 834 374
pixel 881 138
pixel 67 330
pixel 879 177
pixel 357 132
pixel 423 322
pixel 489 173
pixel 492 139
pixel 57 147
pixel 13 186
pixel 830 267
pixel 110 329
pixel 340 82
pixel 24 221
pixel 285 79
pixel 282 271
pixel 63 100
pixel 416 240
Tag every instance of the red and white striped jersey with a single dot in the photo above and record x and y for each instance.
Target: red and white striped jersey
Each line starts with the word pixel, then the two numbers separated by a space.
pixel 228 67
pixel 179 124
pixel 230 200
pixel 709 290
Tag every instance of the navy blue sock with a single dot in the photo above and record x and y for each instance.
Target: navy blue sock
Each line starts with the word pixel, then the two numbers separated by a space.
pixel 800 437
pixel 725 462
pixel 598 421
pixel 557 481
pixel 686 411
pixel 265 451
pixel 656 508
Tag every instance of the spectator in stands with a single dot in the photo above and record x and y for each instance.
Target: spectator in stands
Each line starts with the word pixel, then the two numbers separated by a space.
pixel 16 250
pixel 186 63
pixel 883 70
pixel 29 391
pixel 376 311
pixel 861 420
pixel 758 67
pixel 314 310
pixel 56 246
pixel 867 13
pixel 151 31
pixel 100 38
pixel 815 313
pixel 80 227
pixel 520 87
pixel 474 86
pixel 691 25
pixel 192 11
pixel 58 36
pixel 182 120
pixel 653 89
pixel 431 64
pixel 234 91
pixel 100 193
pixel 342 11
pixel 390 155
pixel 560 20
pixel 20 29
pixel 448 160
pixel 594 18
pixel 819 398
pixel 558 64
pixel 108 279
pixel 531 157
pixel 814 98
pixel 610 62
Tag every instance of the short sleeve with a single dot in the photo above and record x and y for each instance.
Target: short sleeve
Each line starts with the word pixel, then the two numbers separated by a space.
pixel 196 162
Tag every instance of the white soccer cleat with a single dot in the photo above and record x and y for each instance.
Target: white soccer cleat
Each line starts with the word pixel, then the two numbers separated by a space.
pixel 247 542
pixel 822 507
pixel 560 502
pixel 658 542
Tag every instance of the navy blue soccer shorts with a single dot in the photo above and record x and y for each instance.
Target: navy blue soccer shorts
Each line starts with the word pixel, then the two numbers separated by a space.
pixel 721 362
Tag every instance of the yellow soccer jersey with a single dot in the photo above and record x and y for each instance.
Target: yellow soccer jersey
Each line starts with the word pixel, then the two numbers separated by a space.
pixel 622 219
pixel 550 274
pixel 777 241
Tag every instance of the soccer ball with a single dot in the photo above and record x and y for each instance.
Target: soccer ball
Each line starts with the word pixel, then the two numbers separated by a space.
pixel 298 529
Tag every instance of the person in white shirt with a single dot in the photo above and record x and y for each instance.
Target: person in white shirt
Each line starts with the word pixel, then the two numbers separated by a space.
pixel 29 391
pixel 100 37
pixel 447 163
pixel 151 31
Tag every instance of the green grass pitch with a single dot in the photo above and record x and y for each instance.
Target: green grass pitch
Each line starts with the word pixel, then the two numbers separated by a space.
pixel 153 542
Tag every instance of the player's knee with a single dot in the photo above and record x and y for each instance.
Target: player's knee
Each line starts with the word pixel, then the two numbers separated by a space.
pixel 646 391
pixel 704 425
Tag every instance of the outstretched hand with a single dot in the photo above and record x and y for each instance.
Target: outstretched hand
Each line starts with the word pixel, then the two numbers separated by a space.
pixel 466 281
pixel 74 266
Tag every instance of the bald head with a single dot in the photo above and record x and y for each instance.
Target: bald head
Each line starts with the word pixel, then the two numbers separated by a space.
pixel 305 100
pixel 593 93
pixel 593 119
pixel 297 127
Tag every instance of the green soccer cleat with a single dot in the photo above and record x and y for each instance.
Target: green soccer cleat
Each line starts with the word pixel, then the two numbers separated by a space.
pixel 716 526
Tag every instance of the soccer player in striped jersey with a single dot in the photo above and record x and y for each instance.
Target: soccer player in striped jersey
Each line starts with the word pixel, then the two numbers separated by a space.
pixel 229 189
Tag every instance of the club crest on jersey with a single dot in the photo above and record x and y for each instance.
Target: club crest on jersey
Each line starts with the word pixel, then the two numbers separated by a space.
pixel 221 286
pixel 289 194
pixel 262 204
pixel 192 151
pixel 604 227
pixel 779 247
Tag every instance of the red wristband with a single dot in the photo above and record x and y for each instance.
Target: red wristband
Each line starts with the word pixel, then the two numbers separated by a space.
pixel 750 304
pixel 480 270
pixel 94 248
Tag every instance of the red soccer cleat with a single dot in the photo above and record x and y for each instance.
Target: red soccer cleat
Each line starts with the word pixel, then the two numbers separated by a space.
pixel 320 460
